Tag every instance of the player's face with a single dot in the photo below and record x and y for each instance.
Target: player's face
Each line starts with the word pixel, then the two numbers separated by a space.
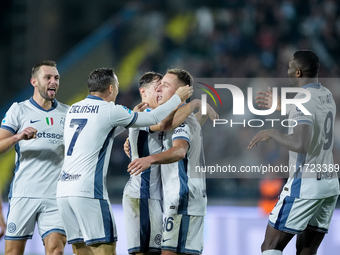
pixel 167 88
pixel 150 92
pixel 47 82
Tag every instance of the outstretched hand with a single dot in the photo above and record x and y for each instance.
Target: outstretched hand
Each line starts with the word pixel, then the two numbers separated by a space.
pixel 140 107
pixel 265 99
pixel 138 165
pixel 212 113
pixel 262 136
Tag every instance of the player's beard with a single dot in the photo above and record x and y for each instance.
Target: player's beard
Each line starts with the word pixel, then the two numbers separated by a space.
pixel 44 94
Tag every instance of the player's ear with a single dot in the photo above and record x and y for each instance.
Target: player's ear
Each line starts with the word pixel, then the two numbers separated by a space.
pixel 298 73
pixel 33 81
pixel 142 91
pixel 110 88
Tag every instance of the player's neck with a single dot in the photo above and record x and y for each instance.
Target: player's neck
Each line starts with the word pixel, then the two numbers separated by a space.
pixel 305 80
pixel 45 104
pixel 105 96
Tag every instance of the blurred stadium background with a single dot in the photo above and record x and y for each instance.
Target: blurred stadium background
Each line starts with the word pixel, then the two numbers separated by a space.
pixel 211 39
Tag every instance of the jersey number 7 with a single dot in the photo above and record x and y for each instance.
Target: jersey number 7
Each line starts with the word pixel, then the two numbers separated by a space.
pixel 81 124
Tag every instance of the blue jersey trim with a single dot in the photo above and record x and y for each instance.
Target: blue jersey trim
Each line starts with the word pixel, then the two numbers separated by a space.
pixel 182 105
pixel 17 165
pixel 183 233
pixel 281 220
pixel 99 240
pixel 137 249
pixel 107 222
pixel 317 229
pixel 94 97
pixel 8 129
pixel 285 229
pixel 181 138
pixel 145 229
pixel 54 105
pixel 98 178
pixel 18 237
pixel 184 188
pixel 77 240
pixel 296 185
pixel 305 122
pixel 143 151
pixel 134 119
pixel 312 85
pixel 53 230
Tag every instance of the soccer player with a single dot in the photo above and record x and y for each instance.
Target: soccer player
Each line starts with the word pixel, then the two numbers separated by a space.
pixel 144 190
pixel 35 127
pixel 182 149
pixel 90 127
pixel 308 199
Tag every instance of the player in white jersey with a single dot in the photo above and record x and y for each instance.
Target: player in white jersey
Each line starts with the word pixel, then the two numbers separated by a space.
pixel 90 127
pixel 183 150
pixel 35 127
pixel 308 199
pixel 145 189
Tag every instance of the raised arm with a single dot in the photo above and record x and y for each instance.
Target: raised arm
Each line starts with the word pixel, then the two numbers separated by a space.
pixel 297 142
pixel 146 119
pixel 265 99
pixel 175 153
pixel 8 140
pixel 177 117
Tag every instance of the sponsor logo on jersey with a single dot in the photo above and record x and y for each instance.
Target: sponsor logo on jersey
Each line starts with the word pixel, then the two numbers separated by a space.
pixel 50 135
pixel 49 121
pixel 180 130
pixel 64 177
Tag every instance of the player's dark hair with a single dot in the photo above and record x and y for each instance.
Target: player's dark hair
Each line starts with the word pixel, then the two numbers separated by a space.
pixel 309 63
pixel 37 66
pixel 100 79
pixel 148 77
pixel 184 76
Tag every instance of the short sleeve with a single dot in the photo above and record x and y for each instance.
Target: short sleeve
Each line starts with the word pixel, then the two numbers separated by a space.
pixel 297 115
pixel 182 132
pixel 10 121
pixel 122 116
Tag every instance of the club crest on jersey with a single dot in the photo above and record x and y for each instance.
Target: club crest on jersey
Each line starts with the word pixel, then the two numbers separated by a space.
pixel 62 122
pixel 49 121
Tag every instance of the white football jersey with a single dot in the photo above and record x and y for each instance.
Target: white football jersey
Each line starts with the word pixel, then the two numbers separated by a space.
pixel 90 127
pixel 315 176
pixel 143 143
pixel 38 161
pixel 184 190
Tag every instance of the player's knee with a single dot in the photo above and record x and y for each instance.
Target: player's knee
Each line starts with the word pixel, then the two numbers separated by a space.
pixel 15 247
pixel 54 244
